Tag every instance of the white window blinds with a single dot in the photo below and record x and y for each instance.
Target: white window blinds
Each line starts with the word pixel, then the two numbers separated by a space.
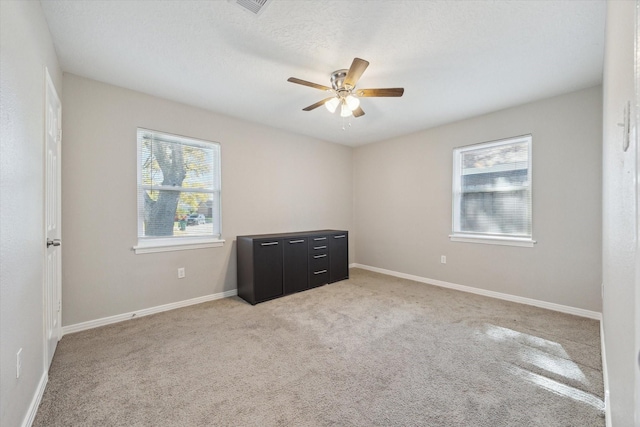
pixel 492 189
pixel 178 186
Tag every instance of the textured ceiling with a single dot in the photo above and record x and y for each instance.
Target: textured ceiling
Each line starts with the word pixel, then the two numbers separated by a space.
pixel 455 59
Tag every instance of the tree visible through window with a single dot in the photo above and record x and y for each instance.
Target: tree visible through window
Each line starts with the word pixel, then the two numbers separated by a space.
pixel 178 186
pixel 492 189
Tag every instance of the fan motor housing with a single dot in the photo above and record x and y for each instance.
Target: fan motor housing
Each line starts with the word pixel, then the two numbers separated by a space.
pixel 337 79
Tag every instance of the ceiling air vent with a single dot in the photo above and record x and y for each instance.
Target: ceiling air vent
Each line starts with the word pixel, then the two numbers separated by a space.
pixel 254 6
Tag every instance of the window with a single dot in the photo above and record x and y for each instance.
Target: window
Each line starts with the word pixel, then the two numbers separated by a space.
pixel 492 192
pixel 178 193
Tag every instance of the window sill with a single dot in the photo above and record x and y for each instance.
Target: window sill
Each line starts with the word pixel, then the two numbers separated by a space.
pixel 169 245
pixel 493 240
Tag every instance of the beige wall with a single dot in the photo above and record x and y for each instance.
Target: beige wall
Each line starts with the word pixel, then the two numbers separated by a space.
pixel 26 49
pixel 403 202
pixel 620 254
pixel 272 181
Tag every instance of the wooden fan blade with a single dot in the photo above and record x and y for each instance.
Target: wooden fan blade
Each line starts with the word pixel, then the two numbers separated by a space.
pixel 358 112
pixel 317 104
pixel 355 72
pixel 393 92
pixel 306 83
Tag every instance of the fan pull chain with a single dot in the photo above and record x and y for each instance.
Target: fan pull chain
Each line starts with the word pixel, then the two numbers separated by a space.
pixel 348 124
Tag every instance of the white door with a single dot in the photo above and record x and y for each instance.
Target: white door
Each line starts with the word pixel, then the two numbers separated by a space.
pixel 53 278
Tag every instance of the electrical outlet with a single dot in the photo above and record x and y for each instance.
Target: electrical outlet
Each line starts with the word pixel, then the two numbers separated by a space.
pixel 443 259
pixel 18 363
pixel 181 273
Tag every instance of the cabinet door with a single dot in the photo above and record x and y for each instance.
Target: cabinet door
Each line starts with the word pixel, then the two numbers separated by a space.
pixel 295 265
pixel 267 264
pixel 338 257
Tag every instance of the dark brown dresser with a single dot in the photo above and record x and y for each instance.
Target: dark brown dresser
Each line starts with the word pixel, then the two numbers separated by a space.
pixel 274 265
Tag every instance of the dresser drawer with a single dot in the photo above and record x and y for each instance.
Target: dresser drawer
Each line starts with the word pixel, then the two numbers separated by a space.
pixel 318 277
pixel 320 255
pixel 317 264
pixel 318 245
pixel 318 260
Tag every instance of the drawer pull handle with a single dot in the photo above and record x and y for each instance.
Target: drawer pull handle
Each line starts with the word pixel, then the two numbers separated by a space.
pixel 320 256
pixel 269 244
pixel 296 241
pixel 319 247
pixel 320 238
pixel 339 237
pixel 320 272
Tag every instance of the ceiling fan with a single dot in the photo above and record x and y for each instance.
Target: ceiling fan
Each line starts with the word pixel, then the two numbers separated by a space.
pixel 344 92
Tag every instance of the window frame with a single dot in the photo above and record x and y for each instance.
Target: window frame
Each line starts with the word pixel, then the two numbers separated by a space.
pixel 152 244
pixel 489 238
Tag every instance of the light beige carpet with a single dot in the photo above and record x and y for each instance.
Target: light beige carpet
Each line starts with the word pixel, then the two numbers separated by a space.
pixel 372 350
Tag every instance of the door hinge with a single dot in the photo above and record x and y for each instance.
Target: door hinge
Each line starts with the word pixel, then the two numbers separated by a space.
pixel 59 135
pixel 59 305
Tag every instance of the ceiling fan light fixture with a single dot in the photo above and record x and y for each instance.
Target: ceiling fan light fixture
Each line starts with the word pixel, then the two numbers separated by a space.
pixel 343 89
pixel 332 104
pixel 352 102
pixel 345 111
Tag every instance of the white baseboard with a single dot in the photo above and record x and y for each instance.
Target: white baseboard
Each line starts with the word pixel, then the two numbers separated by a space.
pixel 605 378
pixel 144 312
pixel 507 297
pixel 35 402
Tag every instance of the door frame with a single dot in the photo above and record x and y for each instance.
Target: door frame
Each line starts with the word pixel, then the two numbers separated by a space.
pixel 634 133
